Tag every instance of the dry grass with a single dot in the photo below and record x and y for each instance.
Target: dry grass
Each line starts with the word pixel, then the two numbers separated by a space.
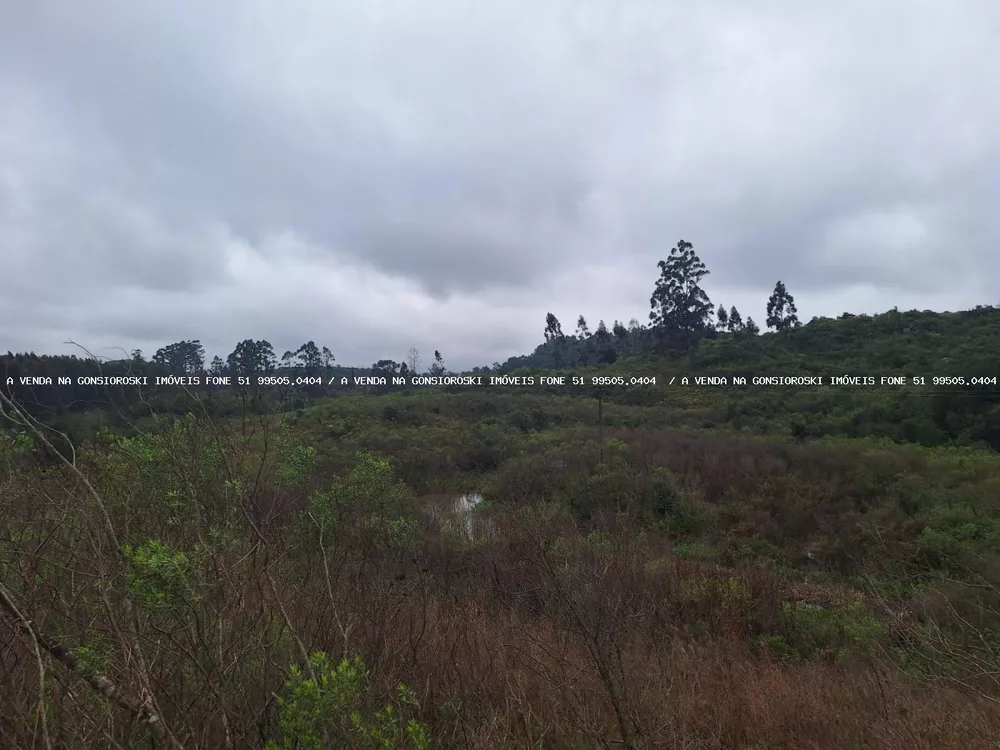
pixel 553 633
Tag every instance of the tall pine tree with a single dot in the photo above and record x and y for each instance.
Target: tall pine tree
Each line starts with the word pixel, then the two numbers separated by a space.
pixel 781 311
pixel 553 329
pixel 680 308
pixel 722 318
pixel 735 320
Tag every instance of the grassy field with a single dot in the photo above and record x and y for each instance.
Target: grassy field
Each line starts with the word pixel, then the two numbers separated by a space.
pixel 663 580
pixel 696 569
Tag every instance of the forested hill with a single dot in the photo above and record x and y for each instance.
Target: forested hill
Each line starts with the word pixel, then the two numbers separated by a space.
pixel 907 343
pixel 913 344
pixel 960 349
pixel 960 345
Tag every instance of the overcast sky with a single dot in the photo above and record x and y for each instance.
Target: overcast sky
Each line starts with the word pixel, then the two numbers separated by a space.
pixel 375 175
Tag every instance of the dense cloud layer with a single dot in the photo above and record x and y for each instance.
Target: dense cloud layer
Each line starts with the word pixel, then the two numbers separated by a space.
pixel 443 173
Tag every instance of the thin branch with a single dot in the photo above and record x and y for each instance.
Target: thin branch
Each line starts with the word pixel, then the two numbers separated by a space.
pixel 97 681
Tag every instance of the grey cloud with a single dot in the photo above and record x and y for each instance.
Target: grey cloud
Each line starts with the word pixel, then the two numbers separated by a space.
pixel 454 154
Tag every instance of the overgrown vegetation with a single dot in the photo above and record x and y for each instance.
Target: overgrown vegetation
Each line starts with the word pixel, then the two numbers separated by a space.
pixel 702 569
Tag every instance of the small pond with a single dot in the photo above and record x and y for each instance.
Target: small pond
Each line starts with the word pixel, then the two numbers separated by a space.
pixel 448 509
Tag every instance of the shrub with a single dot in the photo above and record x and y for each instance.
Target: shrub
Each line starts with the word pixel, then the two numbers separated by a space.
pixel 814 632
pixel 325 705
pixel 159 577
pixel 690 516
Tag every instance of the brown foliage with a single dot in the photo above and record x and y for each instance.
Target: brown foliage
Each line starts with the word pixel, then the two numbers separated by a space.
pixel 549 632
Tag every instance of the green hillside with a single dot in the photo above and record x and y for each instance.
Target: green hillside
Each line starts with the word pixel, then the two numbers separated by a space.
pixel 649 566
pixel 926 345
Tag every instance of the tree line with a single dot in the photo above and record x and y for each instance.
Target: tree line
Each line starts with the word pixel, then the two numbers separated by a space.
pixel 21 374
pixel 681 315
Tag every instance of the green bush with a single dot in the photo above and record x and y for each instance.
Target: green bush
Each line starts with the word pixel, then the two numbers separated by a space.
pixel 371 493
pixel 666 491
pixel 607 489
pixel 324 706
pixel 758 549
pixel 159 578
pixel 959 536
pixel 696 551
pixel 777 647
pixel 817 633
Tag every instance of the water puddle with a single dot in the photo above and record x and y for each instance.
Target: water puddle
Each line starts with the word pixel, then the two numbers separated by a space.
pixel 458 511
